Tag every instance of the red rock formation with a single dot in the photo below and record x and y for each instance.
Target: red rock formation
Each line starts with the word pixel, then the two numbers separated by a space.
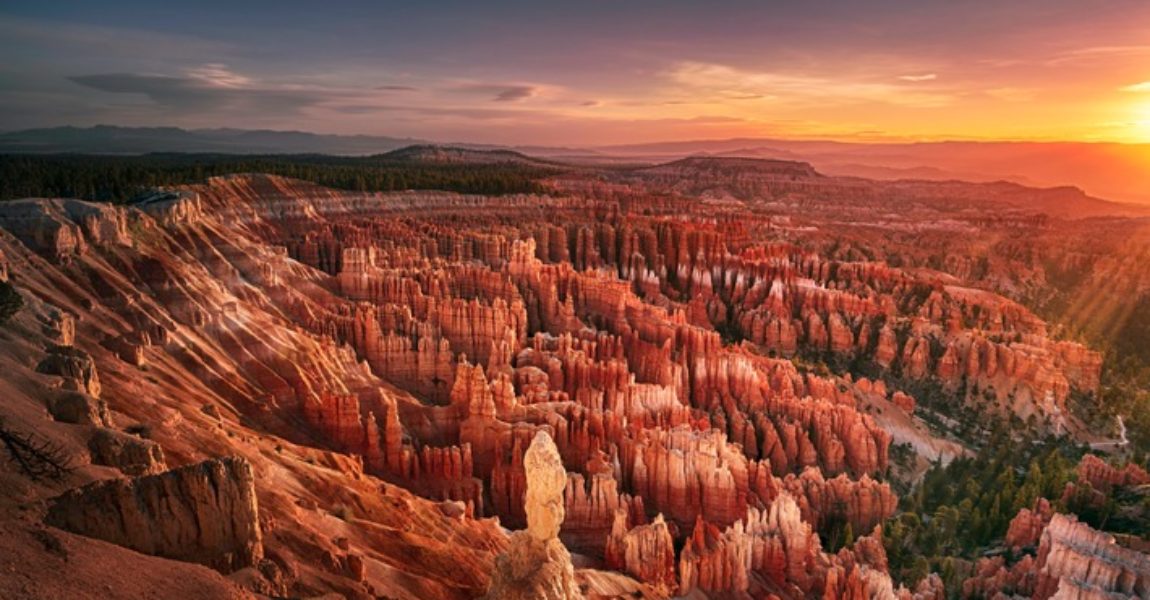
pixel 130 454
pixel 904 401
pixel 685 474
pixel 591 510
pixel 785 556
pixel 535 565
pixel 864 503
pixel 75 366
pixel 1026 527
pixel 1103 476
pixel 991 577
pixel 430 336
pixel 203 513
pixel 47 227
pixel 1073 561
pixel 646 552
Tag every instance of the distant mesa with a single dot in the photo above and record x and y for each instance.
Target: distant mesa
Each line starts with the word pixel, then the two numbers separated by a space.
pixel 436 154
pixel 731 165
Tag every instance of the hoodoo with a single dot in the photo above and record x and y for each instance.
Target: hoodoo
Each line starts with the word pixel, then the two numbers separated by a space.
pixel 536 565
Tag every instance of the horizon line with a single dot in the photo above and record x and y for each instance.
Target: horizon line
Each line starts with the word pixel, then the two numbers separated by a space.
pixel 845 139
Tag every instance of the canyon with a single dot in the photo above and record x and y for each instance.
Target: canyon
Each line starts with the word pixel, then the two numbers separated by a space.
pixel 686 380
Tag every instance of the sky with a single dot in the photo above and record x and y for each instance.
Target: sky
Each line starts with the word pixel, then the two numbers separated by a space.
pixel 587 73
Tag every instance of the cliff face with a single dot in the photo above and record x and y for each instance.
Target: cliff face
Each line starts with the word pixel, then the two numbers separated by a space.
pixel 1072 561
pixel 205 513
pixel 1075 561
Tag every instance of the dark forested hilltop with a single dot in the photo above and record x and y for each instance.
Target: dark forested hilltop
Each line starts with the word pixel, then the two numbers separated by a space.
pixel 120 178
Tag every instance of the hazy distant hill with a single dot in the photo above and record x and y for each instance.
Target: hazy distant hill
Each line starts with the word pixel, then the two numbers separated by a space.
pixel 108 139
pixel 706 166
pixel 437 154
pixel 111 139
pixel 1109 170
pixel 769 180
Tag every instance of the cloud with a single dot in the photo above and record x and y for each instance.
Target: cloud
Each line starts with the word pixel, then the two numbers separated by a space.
pixel 457 112
pixel 499 92
pixel 512 94
pixel 1094 53
pixel 919 78
pixel 207 88
pixel 355 109
pixel 178 92
pixel 1137 87
pixel 448 112
pixel 721 81
pixel 213 90
pixel 218 75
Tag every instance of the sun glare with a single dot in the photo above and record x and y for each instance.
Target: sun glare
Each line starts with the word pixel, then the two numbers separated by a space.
pixel 1140 124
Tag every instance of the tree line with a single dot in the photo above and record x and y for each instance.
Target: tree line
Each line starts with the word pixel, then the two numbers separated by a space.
pixel 119 179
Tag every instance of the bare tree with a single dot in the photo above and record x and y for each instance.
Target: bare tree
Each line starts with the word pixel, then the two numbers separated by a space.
pixel 36 457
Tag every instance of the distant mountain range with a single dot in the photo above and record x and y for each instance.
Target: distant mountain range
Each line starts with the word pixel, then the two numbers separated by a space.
pixel 109 139
pixel 771 180
pixel 1108 170
pixel 112 139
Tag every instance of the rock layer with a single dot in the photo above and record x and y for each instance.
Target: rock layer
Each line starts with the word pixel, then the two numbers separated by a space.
pixel 203 513
pixel 1073 560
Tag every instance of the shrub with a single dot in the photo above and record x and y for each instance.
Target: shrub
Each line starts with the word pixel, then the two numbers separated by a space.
pixel 10 301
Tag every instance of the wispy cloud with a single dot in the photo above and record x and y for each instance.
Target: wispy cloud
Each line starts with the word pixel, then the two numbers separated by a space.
pixel 512 94
pixel 728 82
pixel 218 75
pixel 499 92
pixel 1137 87
pixel 1094 53
pixel 207 88
pixel 355 109
pixel 918 78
